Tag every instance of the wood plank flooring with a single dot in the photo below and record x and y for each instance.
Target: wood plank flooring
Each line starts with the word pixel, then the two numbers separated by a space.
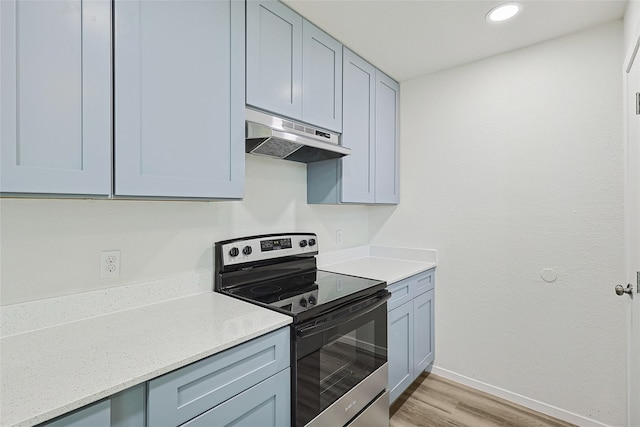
pixel 433 401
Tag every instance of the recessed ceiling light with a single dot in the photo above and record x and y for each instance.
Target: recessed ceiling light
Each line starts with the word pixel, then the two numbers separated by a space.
pixel 503 12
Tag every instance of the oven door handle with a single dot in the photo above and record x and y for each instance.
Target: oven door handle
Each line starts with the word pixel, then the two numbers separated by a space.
pixel 317 328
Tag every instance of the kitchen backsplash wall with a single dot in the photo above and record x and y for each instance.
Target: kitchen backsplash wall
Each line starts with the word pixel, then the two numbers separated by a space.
pixel 512 165
pixel 51 247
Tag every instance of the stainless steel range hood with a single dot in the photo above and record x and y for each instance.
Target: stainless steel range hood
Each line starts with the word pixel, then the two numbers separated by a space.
pixel 279 138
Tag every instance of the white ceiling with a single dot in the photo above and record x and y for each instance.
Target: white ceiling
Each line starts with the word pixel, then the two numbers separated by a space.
pixel 408 39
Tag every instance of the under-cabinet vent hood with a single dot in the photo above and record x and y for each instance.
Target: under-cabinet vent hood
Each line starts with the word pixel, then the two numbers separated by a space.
pixel 279 138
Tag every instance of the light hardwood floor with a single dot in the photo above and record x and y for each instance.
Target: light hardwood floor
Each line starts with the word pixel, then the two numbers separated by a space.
pixel 433 401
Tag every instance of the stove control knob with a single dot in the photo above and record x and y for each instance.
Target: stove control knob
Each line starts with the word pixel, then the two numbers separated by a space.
pixel 303 302
pixel 312 300
pixel 247 250
pixel 303 243
pixel 312 242
pixel 234 252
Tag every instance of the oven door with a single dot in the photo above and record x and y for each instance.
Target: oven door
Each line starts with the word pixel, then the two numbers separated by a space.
pixel 341 362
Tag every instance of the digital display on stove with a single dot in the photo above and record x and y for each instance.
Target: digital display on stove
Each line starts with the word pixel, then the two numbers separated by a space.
pixel 275 244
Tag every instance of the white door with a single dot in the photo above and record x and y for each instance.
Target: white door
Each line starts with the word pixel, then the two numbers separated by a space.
pixel 632 233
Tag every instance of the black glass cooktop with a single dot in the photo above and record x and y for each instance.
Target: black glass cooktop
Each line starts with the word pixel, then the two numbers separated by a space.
pixel 307 291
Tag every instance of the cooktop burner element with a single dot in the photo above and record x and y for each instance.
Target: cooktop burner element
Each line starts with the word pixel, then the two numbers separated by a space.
pixel 297 292
pixel 265 289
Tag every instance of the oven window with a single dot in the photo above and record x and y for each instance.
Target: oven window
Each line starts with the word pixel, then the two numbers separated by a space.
pixel 334 361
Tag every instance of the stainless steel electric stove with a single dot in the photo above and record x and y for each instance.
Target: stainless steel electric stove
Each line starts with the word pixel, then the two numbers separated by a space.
pixel 339 329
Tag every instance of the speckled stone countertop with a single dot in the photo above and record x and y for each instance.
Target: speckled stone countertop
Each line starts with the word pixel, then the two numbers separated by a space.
pixel 390 264
pixel 48 372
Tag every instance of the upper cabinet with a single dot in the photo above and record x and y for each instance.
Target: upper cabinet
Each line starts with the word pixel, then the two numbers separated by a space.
pixel 179 98
pixel 150 102
pixel 294 69
pixel 321 78
pixel 55 86
pixel 370 129
pixel 274 58
pixel 177 90
pixel 386 139
pixel 359 95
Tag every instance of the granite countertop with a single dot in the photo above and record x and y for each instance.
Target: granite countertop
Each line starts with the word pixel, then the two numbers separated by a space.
pixel 387 269
pixel 387 263
pixel 48 372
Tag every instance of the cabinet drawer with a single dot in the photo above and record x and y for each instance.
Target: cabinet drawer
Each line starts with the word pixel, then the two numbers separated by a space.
pixel 181 395
pixel 423 282
pixel 267 404
pixel 409 288
pixel 375 414
pixel 401 293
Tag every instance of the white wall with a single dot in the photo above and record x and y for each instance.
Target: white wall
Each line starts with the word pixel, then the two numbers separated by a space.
pixel 52 247
pixel 511 165
pixel 631 23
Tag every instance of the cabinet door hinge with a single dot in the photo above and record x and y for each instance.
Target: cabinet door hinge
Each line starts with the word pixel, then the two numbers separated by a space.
pixel 637 103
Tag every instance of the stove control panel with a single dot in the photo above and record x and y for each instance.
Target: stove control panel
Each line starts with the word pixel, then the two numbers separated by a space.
pixel 278 244
pixel 268 247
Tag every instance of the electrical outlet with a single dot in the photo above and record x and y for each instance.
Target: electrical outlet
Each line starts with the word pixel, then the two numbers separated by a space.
pixel 338 237
pixel 109 264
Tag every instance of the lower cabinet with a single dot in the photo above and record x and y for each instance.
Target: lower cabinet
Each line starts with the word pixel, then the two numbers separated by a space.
pixel 410 330
pixel 247 385
pixel 95 415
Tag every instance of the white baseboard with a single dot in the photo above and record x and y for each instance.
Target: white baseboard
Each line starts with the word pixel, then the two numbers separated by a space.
pixel 541 407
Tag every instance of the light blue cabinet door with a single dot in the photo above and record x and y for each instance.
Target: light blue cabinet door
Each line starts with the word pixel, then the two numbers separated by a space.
pixel 370 129
pixel 267 404
pixel 55 86
pixel 179 98
pixel 400 351
pixel 386 139
pixel 274 58
pixel 358 169
pixel 96 415
pixel 423 332
pixel 181 395
pixel 321 78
